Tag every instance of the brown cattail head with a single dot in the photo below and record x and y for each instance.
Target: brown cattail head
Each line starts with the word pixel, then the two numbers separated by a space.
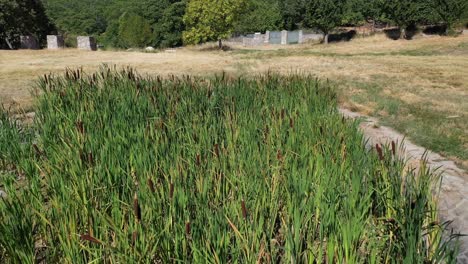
pixel 282 113
pixel 291 122
pixel 134 237
pixel 136 208
pixel 321 130
pixel 151 185
pixel 37 150
pixel 216 150
pixel 244 210
pixel 188 230
pixel 171 191
pixel 278 155
pixel 198 160
pixel 90 158
pixel 393 148
pixel 379 151
pixel 80 127
pixel 90 238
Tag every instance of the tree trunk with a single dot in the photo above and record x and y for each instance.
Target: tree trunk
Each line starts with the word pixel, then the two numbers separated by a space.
pixel 402 32
pixel 220 44
pixel 325 37
pixel 8 43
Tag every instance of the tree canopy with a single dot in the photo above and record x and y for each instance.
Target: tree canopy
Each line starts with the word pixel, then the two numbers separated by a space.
pixel 22 17
pixel 208 20
pixel 161 23
pixel 325 15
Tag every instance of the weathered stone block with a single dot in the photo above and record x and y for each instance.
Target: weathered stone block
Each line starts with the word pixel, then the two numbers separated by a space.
pixel 284 37
pixel 28 42
pixel 86 43
pixel 55 42
pixel 301 37
pixel 267 37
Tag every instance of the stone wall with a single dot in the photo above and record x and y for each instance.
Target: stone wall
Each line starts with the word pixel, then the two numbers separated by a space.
pixel 86 43
pixel 28 42
pixel 55 42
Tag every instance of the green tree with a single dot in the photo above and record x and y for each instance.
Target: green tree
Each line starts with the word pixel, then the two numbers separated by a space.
pixel 450 11
pixel 259 16
pixel 22 17
pixel 293 13
pixel 208 20
pixel 404 13
pixel 325 15
pixel 168 30
pixel 134 31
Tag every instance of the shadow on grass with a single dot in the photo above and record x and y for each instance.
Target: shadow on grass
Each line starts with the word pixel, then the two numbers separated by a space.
pixel 395 33
pixel 343 36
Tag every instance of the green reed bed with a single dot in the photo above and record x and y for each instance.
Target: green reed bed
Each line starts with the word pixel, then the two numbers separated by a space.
pixel 121 168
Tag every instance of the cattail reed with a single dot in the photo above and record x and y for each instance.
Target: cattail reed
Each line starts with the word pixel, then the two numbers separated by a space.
pixel 379 151
pixel 80 127
pixel 291 122
pixel 171 190
pixel 198 160
pixel 37 150
pixel 90 158
pixel 244 209
pixel 151 185
pixel 134 237
pixel 87 237
pixel 393 148
pixel 187 228
pixel 279 156
pixel 136 208
pixel 216 150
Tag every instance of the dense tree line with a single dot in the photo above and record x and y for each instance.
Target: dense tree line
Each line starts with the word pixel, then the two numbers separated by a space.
pixel 168 23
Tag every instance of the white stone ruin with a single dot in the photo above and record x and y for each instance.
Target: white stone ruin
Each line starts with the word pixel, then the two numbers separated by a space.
pixel 28 42
pixel 86 43
pixel 55 42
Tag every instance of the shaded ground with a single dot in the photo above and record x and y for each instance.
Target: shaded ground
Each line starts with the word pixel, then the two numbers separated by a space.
pixel 419 87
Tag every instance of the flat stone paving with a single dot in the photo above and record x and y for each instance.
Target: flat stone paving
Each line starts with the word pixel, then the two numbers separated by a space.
pixel 453 197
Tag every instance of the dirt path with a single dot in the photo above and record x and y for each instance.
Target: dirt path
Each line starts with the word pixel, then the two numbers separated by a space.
pixel 454 190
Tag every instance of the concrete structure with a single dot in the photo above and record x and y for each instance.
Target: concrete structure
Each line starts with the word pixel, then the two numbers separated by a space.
pixel 267 37
pixel 275 37
pixel 86 43
pixel 28 42
pixel 284 37
pixel 55 42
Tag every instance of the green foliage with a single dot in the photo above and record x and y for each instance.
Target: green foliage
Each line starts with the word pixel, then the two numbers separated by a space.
pixel 134 31
pixel 130 169
pixel 325 14
pixel 22 17
pixel 404 12
pixel 168 30
pixel 84 17
pixel 259 16
pixel 208 20
pixel 293 12
pixel 450 11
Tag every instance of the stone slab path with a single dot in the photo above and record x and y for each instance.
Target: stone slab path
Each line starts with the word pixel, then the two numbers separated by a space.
pixel 454 190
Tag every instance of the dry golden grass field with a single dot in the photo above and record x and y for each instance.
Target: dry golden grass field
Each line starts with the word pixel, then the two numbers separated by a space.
pixel 419 87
